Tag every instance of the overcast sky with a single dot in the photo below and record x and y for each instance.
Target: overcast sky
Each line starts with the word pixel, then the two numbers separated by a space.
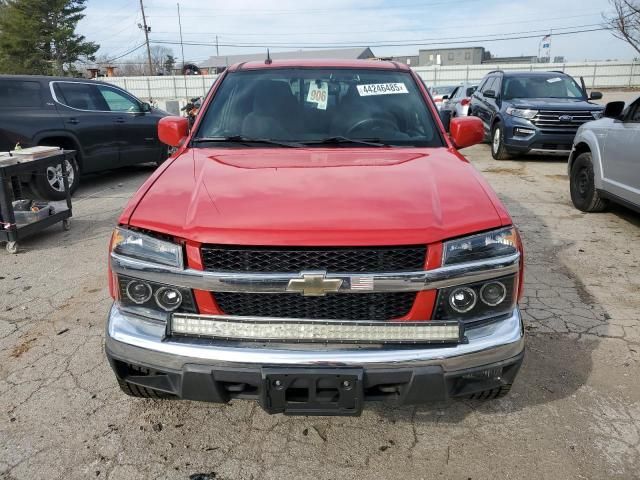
pixel 281 24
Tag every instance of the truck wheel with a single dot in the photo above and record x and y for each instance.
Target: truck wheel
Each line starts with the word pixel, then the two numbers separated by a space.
pixel 584 195
pixel 491 394
pixel 48 184
pixel 141 392
pixel 498 149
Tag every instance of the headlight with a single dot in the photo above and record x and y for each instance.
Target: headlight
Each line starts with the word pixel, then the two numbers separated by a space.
pixel 497 243
pixel 145 247
pixel 478 301
pixel 522 112
pixel 597 114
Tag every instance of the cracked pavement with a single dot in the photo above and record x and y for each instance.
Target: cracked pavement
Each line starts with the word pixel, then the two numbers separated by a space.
pixel 574 411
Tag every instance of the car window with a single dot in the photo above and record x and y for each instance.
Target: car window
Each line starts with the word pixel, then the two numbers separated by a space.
pixel 309 105
pixel 79 95
pixel 20 93
pixel 118 101
pixel 454 94
pixel 489 84
pixel 634 113
pixel 551 85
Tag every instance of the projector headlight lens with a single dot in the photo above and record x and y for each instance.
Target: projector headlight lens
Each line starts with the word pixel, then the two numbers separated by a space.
pixel 139 292
pixel 168 299
pixel 463 299
pixel 493 293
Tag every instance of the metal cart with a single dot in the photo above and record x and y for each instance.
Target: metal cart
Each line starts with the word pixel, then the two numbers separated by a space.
pixel 12 233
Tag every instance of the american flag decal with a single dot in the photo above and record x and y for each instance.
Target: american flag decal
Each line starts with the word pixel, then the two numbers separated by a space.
pixel 361 283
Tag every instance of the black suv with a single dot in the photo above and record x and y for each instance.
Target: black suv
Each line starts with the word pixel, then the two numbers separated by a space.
pixel 537 112
pixel 107 126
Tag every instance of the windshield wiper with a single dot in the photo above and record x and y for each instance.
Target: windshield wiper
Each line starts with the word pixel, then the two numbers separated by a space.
pixel 371 142
pixel 246 140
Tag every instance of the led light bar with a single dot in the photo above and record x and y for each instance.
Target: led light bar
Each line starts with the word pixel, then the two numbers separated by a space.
pixel 314 331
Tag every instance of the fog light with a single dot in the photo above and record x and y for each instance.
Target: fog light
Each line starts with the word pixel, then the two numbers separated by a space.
pixel 139 292
pixel 524 131
pixel 493 293
pixel 168 299
pixel 462 299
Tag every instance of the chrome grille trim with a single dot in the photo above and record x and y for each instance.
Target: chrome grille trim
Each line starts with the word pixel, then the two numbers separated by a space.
pixel 442 277
pixel 550 120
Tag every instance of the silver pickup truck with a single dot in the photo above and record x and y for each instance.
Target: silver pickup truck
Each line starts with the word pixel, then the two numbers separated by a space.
pixel 604 165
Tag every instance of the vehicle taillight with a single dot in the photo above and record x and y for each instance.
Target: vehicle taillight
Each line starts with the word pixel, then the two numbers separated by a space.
pixel 465 101
pixel 437 100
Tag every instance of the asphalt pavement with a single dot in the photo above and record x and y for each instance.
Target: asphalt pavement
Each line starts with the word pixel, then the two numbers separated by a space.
pixel 574 411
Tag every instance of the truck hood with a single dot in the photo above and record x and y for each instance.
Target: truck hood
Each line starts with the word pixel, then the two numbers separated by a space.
pixel 555 104
pixel 328 196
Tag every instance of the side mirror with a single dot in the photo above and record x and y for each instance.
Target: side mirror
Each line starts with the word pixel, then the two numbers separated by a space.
pixel 595 96
pixel 173 131
pixel 489 93
pixel 613 109
pixel 466 131
pixel 145 107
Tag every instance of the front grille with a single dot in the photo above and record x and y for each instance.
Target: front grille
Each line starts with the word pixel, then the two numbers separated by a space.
pixel 356 306
pixel 220 258
pixel 550 121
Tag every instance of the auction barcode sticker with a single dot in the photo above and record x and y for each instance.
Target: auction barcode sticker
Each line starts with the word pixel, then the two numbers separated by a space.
pixel 381 89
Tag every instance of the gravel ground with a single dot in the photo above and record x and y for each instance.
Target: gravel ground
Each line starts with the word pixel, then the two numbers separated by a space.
pixel 574 411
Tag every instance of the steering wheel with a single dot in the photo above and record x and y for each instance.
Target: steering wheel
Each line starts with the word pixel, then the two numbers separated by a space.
pixel 371 124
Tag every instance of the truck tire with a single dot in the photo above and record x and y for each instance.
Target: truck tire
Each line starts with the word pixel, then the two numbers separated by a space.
pixel 137 391
pixel 584 195
pixel 491 394
pixel 498 148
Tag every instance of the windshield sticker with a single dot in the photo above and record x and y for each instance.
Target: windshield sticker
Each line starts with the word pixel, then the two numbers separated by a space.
pixel 319 94
pixel 382 89
pixel 553 80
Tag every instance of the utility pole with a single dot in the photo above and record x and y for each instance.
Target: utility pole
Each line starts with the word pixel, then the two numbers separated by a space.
pixel 146 36
pixel 217 51
pixel 181 44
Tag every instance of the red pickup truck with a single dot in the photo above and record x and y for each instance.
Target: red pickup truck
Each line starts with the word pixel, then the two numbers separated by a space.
pixel 316 242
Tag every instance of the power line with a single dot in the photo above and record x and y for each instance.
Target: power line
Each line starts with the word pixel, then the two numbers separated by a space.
pixel 469 38
pixel 315 12
pixel 385 44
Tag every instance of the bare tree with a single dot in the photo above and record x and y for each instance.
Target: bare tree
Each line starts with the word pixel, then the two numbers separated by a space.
pixel 625 23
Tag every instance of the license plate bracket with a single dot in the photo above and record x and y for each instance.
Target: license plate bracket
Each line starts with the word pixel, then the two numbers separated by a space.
pixel 312 391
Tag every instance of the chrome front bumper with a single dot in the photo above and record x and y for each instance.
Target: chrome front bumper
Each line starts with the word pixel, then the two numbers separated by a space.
pixel 141 341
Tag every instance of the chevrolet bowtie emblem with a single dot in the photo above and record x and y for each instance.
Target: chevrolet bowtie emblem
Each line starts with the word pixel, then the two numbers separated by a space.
pixel 314 284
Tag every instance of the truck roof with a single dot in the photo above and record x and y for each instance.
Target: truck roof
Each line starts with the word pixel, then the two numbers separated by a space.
pixel 319 63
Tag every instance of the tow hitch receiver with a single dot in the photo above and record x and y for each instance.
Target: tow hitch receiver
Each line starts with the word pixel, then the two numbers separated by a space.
pixel 312 391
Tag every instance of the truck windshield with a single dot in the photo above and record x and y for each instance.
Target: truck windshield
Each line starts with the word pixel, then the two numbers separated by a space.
pixel 335 107
pixel 541 86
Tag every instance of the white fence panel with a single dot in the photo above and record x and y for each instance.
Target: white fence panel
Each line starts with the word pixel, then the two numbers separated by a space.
pixel 605 74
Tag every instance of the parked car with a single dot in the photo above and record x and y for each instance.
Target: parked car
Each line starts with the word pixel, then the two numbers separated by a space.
pixel 316 242
pixel 459 100
pixel 604 165
pixel 439 93
pixel 532 112
pixel 107 126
